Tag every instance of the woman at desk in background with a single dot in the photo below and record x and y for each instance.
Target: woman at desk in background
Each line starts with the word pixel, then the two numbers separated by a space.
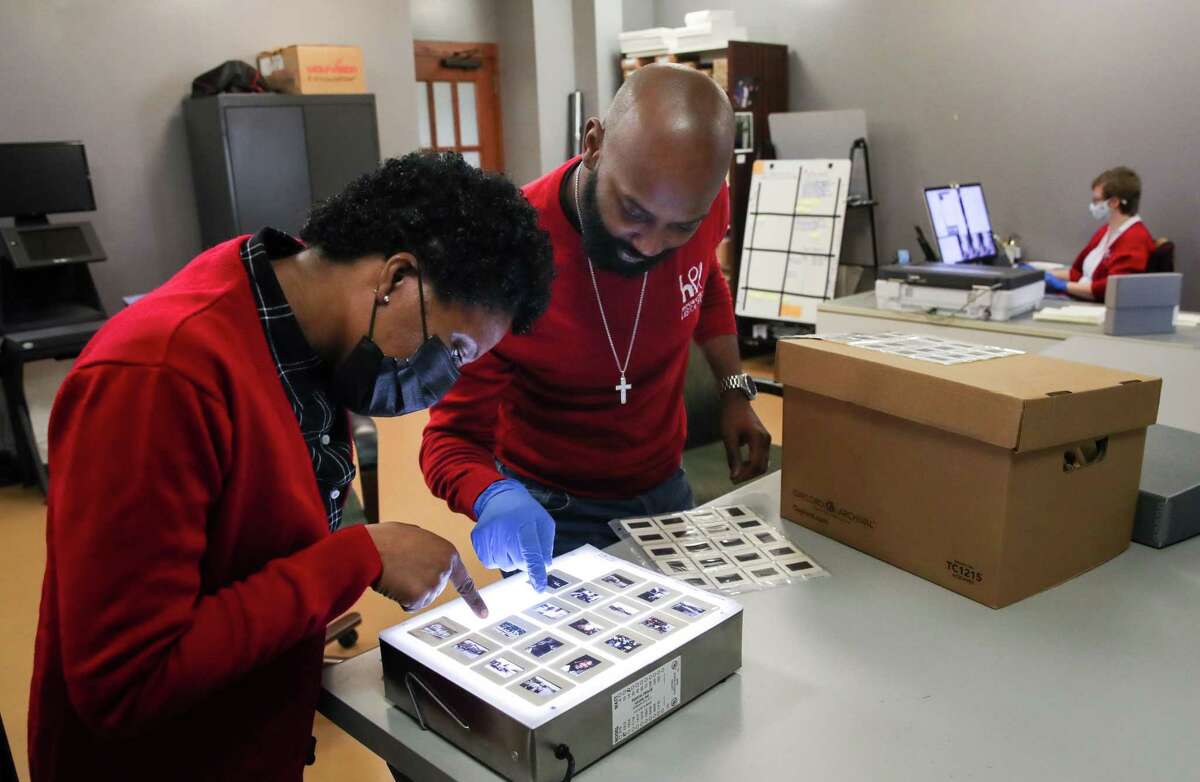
pixel 1121 246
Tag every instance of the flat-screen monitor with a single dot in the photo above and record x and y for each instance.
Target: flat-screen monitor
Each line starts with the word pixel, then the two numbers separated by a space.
pixel 43 178
pixel 959 217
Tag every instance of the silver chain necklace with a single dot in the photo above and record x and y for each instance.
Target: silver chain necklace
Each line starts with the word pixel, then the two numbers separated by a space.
pixel 623 386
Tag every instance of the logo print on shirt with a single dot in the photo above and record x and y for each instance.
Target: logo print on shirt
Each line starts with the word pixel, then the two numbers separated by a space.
pixel 691 290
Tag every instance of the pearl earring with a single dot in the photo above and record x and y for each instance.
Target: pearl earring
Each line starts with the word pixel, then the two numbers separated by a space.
pixel 386 298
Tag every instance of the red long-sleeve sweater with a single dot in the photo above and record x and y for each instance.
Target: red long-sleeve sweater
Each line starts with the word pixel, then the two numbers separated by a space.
pixel 545 403
pixel 190 571
pixel 1127 255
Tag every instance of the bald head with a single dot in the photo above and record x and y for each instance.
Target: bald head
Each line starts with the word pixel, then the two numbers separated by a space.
pixel 675 114
pixel 654 167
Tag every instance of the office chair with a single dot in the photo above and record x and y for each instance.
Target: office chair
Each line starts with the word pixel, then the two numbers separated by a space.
pixel 1162 257
pixel 704 451
pixel 366 446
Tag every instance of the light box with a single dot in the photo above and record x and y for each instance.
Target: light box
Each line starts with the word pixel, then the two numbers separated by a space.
pixel 609 649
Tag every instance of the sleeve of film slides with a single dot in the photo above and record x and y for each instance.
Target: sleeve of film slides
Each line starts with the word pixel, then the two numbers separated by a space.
pixel 140 456
pixel 458 446
pixel 716 310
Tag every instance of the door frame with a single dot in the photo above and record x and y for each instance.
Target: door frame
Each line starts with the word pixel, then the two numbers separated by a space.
pixel 485 114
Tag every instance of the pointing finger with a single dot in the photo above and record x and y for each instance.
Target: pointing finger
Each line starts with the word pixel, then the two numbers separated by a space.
pixel 465 586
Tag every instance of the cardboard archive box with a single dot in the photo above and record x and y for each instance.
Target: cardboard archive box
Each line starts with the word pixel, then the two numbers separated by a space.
pixel 314 69
pixel 996 479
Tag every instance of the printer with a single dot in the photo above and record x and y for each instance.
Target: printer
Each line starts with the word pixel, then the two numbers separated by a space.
pixel 965 276
pixel 960 289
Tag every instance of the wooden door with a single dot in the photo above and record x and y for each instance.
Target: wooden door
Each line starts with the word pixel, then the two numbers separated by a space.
pixel 458 108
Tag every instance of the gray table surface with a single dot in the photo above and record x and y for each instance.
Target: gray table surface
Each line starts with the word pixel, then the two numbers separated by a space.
pixel 863 305
pixel 875 674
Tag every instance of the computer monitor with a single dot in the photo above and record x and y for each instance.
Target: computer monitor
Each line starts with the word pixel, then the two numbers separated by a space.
pixel 959 217
pixel 43 178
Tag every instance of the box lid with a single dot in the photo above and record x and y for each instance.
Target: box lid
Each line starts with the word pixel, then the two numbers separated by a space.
pixel 1172 461
pixel 1022 402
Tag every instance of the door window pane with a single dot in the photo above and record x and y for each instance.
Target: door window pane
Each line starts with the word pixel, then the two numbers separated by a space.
pixel 472 157
pixel 468 126
pixel 424 134
pixel 443 108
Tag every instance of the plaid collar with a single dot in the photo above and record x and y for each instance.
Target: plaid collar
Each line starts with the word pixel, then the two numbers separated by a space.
pixel 304 376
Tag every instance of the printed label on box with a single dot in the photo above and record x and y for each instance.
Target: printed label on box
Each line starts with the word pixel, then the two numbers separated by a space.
pixel 830 508
pixel 650 697
pixel 964 572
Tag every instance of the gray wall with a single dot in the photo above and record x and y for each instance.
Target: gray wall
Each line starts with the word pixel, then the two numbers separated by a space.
pixel 537 72
pixel 519 91
pixel 471 21
pixel 640 14
pixel 113 74
pixel 598 23
pixel 554 41
pixel 587 62
pixel 1031 97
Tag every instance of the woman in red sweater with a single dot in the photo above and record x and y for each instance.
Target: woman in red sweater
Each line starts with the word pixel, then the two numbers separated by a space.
pixel 201 454
pixel 1121 246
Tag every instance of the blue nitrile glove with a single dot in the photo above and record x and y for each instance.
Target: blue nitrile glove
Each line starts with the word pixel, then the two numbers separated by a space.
pixel 1054 284
pixel 513 531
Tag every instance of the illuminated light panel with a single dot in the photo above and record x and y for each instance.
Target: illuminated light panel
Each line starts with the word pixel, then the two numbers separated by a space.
pixel 512 597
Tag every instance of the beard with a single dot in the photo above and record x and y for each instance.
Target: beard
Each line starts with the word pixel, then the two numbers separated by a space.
pixel 604 249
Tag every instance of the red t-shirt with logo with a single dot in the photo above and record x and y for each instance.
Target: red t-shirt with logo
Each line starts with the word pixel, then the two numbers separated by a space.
pixel 546 404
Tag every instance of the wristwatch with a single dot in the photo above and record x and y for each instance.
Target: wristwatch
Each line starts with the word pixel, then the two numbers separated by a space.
pixel 743 383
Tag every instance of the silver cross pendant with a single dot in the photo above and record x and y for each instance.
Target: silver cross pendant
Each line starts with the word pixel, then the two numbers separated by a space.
pixel 622 387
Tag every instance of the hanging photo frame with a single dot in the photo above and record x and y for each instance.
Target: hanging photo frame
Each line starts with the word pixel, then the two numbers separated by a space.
pixel 743 135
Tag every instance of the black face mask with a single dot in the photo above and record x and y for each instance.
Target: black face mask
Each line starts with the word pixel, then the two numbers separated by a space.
pixel 601 246
pixel 369 383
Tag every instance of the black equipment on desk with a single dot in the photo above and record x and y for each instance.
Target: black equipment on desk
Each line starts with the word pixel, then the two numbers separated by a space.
pixel 49 305
pixel 930 254
pixel 962 276
pixel 30 246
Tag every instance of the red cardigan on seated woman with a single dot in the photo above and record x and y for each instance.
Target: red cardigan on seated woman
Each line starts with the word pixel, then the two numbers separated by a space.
pixel 1127 253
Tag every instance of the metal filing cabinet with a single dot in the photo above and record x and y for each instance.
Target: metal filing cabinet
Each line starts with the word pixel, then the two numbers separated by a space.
pixel 265 159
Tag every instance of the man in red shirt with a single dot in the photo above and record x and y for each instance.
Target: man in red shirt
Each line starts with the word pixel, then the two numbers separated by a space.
pixel 200 455
pixel 582 420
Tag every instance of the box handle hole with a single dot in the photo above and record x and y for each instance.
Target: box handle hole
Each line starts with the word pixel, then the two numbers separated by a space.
pixel 1085 454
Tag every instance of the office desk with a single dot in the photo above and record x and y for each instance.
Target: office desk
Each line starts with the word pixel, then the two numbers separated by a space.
pixel 874 674
pixel 860 313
